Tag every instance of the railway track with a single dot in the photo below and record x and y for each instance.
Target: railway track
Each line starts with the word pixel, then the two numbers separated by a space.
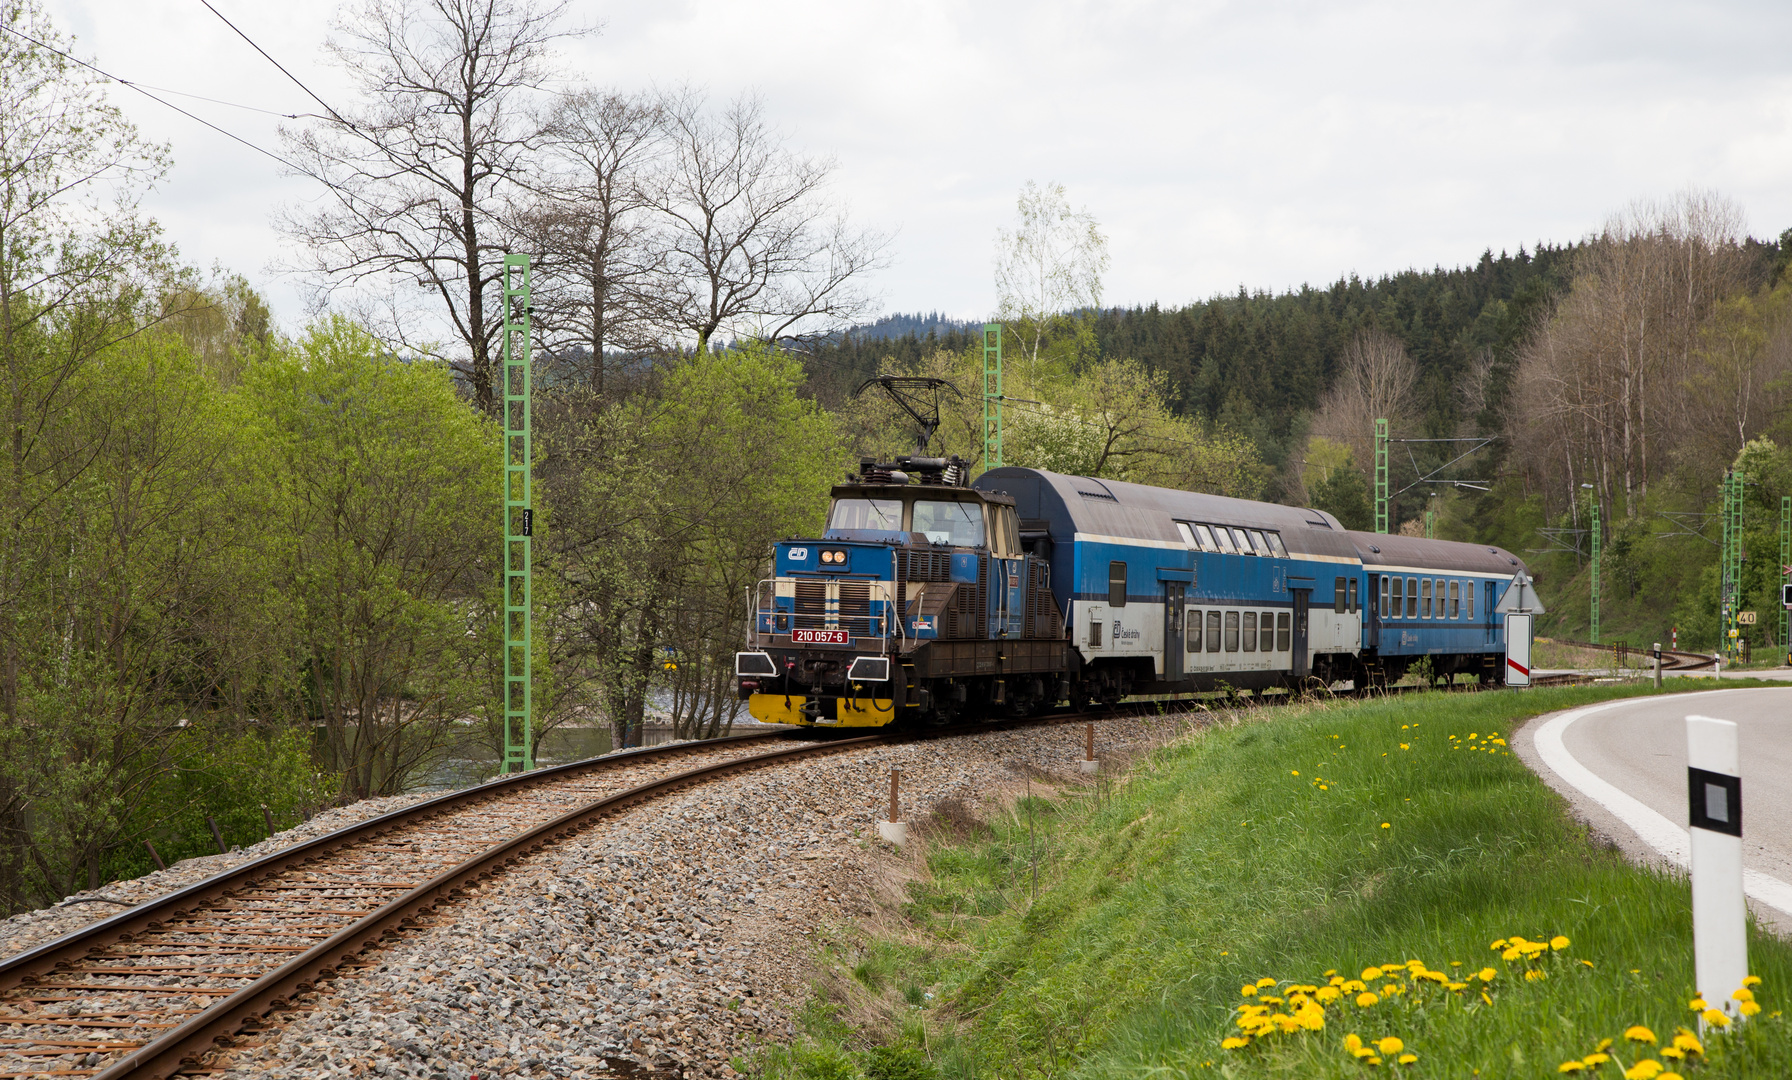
pixel 1671 659
pixel 139 994
pixel 145 993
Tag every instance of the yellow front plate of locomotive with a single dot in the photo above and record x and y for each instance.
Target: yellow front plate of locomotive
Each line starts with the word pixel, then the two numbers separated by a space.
pixel 848 712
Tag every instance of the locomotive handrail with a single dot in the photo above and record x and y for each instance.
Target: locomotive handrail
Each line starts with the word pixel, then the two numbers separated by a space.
pixel 893 616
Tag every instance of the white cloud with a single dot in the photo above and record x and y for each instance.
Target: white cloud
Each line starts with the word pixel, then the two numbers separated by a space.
pixel 1264 144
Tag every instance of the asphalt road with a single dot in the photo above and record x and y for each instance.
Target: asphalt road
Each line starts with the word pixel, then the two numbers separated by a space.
pixel 1623 766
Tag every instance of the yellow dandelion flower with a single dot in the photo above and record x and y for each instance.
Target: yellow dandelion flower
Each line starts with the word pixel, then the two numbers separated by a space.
pixel 1353 986
pixel 1646 1069
pixel 1386 825
pixel 1752 980
pixel 1487 974
pixel 1455 986
pixel 1558 943
pixel 1371 973
pixel 1688 1042
pixel 1485 998
pixel 1511 954
pixel 1744 994
pixel 1589 963
pixel 1366 999
pixel 1248 991
pixel 1639 1033
pixel 1673 1053
pixel 1408 1059
pixel 1696 1004
pixel 1498 945
pixel 1323 787
pixel 1499 742
pixel 1604 1044
pixel 1403 746
pixel 1235 1042
pixel 1749 1008
pixel 1455 963
pixel 1327 994
pixel 1596 1058
pixel 1293 772
pixel 1372 1060
pixel 1265 981
pixel 1331 973
pixel 1533 976
pixel 1570 1067
pixel 1715 1018
pixel 1353 1042
pixel 1389 1045
pixel 1472 735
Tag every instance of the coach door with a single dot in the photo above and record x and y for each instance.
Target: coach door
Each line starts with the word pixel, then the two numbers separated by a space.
pixel 1373 638
pixel 1173 598
pixel 1301 657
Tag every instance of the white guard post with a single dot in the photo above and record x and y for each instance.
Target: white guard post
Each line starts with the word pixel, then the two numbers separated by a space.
pixel 1719 914
pixel 1518 648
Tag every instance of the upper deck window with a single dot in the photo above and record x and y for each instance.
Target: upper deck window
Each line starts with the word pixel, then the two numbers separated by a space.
pixel 957 523
pixel 1258 542
pixel 1225 538
pixel 1205 536
pixel 1275 541
pixel 881 514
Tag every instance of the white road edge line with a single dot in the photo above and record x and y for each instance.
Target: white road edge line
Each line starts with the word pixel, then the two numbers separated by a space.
pixel 1654 829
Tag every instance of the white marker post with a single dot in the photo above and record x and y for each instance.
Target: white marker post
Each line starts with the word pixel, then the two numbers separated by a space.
pixel 1518 648
pixel 1719 914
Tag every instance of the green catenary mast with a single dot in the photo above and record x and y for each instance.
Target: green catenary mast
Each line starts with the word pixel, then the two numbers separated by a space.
pixel 1595 620
pixel 1785 561
pixel 992 396
pixel 519 523
pixel 1381 476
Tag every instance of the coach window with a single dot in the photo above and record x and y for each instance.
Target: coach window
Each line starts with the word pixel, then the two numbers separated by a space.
pixel 1353 604
pixel 1231 631
pixel 1116 584
pixel 1338 595
pixel 1455 600
pixel 1213 631
pixel 1205 536
pixel 1412 597
pixel 1275 543
pixel 1250 631
pixel 1261 544
pixel 1468 595
pixel 1192 631
pixel 1424 598
pixel 1188 535
pixel 1224 536
pixel 1394 611
pixel 1284 632
pixel 1268 625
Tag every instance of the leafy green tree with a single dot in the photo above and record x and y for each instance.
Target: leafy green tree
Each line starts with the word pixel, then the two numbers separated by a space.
pixel 388 499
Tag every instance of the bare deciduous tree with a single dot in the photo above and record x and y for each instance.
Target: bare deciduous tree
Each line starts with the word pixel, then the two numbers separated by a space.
pixel 417 176
pixel 590 230
pixel 1376 380
pixel 750 242
pixel 1048 266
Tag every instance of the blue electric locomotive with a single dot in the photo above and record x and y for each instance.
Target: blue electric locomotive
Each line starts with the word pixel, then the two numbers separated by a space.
pixel 929 598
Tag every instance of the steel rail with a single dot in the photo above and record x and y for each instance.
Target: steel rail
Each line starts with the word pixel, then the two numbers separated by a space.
pixel 32 966
pixel 168 1054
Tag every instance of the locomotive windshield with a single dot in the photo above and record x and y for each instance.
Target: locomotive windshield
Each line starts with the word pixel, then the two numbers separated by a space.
pixel 881 514
pixel 957 523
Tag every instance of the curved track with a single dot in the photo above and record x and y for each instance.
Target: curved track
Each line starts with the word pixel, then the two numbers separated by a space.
pixel 136 994
pixel 144 993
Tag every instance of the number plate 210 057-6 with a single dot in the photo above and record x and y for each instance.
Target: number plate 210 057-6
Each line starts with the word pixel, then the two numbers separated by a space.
pixel 820 637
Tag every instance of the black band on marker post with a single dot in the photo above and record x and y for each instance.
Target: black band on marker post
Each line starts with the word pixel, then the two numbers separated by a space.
pixel 1715 801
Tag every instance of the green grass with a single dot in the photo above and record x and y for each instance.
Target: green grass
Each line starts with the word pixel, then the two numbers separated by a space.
pixel 1213 865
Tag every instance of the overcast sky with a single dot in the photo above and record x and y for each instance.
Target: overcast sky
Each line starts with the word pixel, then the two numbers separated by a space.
pixel 1218 144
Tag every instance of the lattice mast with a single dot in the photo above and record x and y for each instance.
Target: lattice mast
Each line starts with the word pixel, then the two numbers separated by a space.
pixel 1785 561
pixel 519 523
pixel 1381 476
pixel 992 396
pixel 1595 598
pixel 1730 596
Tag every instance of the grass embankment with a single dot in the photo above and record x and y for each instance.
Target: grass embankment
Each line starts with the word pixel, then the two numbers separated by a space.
pixel 1270 853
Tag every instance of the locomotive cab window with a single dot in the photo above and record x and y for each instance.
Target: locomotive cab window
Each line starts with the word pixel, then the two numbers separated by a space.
pixel 1116 584
pixel 959 524
pixel 1004 532
pixel 882 514
pixel 1249 631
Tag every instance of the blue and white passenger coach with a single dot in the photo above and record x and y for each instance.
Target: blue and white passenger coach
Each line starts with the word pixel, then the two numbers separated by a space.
pixel 928 598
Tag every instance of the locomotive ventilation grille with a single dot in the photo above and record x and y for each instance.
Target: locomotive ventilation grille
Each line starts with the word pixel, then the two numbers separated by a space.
pixel 850 612
pixel 923 566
